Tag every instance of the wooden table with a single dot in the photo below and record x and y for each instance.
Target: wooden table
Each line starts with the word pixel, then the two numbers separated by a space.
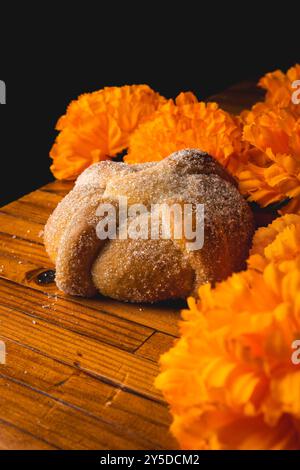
pixel 79 373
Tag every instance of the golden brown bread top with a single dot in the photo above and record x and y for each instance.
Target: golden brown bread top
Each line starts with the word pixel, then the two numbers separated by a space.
pixel 149 270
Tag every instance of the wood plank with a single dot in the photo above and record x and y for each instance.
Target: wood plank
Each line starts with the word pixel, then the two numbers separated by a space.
pixel 16 227
pixel 22 271
pixel 24 250
pixel 58 187
pixel 155 346
pixel 13 438
pixel 101 360
pixel 44 200
pixel 57 423
pixel 161 316
pixel 89 322
pixel 36 206
pixel 147 420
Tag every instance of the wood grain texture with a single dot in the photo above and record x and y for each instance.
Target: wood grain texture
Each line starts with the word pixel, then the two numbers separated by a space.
pixel 79 373
pixel 13 438
pixel 126 413
pixel 155 346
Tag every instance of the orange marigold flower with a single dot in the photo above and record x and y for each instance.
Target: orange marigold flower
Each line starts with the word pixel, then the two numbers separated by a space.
pixel 98 125
pixel 187 124
pixel 230 380
pixel 279 242
pixel 280 89
pixel 271 171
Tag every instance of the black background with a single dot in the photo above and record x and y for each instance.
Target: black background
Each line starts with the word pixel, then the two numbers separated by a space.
pixel 48 56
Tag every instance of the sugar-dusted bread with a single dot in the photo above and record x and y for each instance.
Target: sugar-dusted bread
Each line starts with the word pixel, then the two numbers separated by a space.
pixel 149 270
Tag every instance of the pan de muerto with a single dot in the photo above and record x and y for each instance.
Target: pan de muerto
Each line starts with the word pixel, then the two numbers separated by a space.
pixel 149 269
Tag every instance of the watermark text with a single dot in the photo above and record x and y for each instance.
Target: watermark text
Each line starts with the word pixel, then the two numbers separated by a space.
pixel 2 352
pixel 296 93
pixel 160 221
pixel 296 354
pixel 2 92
